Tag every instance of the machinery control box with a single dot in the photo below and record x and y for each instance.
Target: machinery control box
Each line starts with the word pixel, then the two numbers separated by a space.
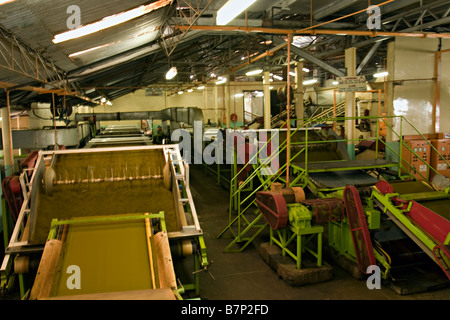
pixel 415 161
pixel 438 161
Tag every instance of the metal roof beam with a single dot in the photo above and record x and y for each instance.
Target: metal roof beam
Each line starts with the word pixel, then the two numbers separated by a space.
pixel 309 57
pixel 332 8
pixel 367 58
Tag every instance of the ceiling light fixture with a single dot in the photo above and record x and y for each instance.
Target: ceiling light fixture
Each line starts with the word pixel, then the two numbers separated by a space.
pixel 110 21
pixel 171 73
pixel 201 88
pixel 254 72
pixel 231 10
pixel 221 80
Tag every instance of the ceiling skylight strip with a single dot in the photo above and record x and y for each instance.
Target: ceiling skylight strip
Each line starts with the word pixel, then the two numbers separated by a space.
pixel 91 49
pixel 110 21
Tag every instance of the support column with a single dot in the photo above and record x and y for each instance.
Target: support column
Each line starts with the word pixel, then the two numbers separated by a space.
pixel 216 105
pixel 227 102
pixel 350 64
pixel 7 138
pixel 267 103
pixel 298 94
pixel 389 93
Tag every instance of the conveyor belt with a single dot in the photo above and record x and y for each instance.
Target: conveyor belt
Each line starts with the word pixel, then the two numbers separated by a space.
pixel 344 165
pixel 439 206
pixel 112 257
pixel 101 255
pixel 340 179
pixel 105 198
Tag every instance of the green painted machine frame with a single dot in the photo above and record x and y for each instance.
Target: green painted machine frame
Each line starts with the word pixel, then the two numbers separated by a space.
pixel 300 230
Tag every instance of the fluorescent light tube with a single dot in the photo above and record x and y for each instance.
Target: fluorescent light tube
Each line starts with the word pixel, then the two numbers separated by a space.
pixel 277 77
pixel 307 82
pixel 381 74
pixel 254 72
pixel 231 10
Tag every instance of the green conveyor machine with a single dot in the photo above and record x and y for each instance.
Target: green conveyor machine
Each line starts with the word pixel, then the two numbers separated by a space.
pixel 107 223
pixel 367 213
pixel 370 218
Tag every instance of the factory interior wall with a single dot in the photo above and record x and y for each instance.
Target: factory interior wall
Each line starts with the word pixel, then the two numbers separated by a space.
pixel 204 99
pixel 412 62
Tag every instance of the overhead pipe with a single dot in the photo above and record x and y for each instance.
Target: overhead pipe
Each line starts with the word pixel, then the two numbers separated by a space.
pixel 314 32
pixel 176 114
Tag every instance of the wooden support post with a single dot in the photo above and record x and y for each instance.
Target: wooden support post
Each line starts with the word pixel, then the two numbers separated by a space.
pixel 267 111
pixel 350 64
pixel 7 138
pixel 298 95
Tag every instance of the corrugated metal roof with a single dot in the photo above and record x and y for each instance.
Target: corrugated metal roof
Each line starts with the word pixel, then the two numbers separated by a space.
pixel 129 56
pixel 38 21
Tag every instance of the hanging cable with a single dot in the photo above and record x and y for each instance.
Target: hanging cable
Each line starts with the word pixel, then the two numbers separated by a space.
pixel 54 120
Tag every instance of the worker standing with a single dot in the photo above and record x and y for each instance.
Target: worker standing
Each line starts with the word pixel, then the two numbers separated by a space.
pixel 159 137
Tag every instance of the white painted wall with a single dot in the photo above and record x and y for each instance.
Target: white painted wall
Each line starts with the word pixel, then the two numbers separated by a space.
pixel 204 99
pixel 413 93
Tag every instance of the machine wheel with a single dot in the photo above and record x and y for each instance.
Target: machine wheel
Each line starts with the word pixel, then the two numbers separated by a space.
pixel 49 180
pixel 273 208
pixel 167 176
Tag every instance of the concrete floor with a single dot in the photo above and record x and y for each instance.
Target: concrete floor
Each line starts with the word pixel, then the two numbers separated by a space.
pixel 245 275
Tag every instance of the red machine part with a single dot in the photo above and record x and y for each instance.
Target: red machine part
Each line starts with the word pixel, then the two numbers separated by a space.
pixel 359 229
pixel 273 208
pixel 325 210
pixel 13 195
